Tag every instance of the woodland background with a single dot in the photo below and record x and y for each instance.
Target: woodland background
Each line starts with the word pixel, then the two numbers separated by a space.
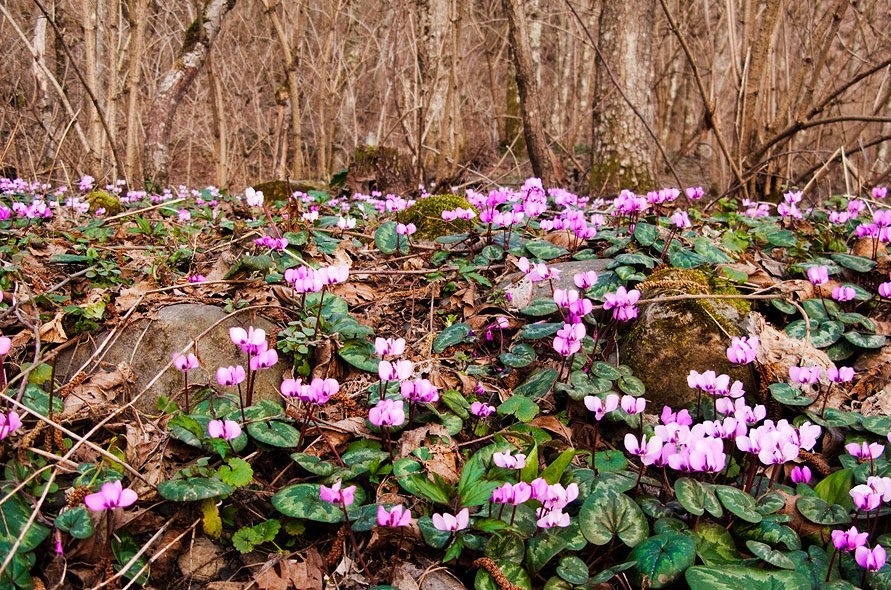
pixel 743 96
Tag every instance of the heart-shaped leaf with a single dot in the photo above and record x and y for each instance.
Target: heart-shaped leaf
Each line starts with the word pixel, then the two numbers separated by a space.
pixel 302 500
pixel 520 355
pixel 662 559
pixel 606 513
pixel 818 511
pixel 538 384
pixel 735 578
pixel 770 555
pixel 544 250
pixel 788 395
pixel 540 330
pixel 192 489
pixel 76 522
pixel 739 503
pixel 454 334
pixel 697 497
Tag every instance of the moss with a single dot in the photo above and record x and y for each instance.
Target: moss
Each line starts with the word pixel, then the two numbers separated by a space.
pixel 281 190
pixel 426 214
pixel 100 199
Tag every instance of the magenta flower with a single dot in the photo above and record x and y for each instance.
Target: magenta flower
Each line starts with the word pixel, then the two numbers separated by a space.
pixel 452 523
pixel 554 497
pixel 514 494
pixel 481 410
pixel 585 280
pixel 870 560
pixel 648 450
pixel 885 290
pixel 395 371
pixel 397 517
pixel 818 275
pixel 403 229
pixel 264 359
pixel 881 485
pixel 388 412
pixel 864 451
pixel 840 375
pixel 804 375
pixel 879 192
pixel 318 392
pixel 742 350
pixel 694 192
pixel 680 219
pixel 5 345
pixel 197 278
pixel 848 540
pixel 224 429
pixel 508 461
pixel 682 417
pixel 865 497
pixel 419 391
pixel 251 341
pixel 622 303
pixel 185 363
pixel 9 423
pixel 389 346
pixel 112 495
pixel 843 293
pixel 228 376
pixel 569 339
pixel 801 474
pixel 335 495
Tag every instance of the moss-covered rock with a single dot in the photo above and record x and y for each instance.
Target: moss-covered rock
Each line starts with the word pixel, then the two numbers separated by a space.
pixel 426 214
pixel 671 339
pixel 100 199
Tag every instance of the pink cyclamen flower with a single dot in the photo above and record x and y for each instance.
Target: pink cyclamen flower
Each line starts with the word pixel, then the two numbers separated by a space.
pixel 452 523
pixel 743 350
pixel 818 275
pixel 585 280
pixel 251 341
pixel 224 429
pixel 801 474
pixel 264 359
pixel 843 293
pixel 885 290
pixel 682 417
pixel 848 540
pixel 648 450
pixel 871 560
pixel 395 371
pixel 5 345
pixel 389 346
pixel 335 495
pixel 419 391
pixel 388 412
pixel 601 407
pixel 228 376
pixel 552 518
pixel 633 405
pixel 508 461
pixel 396 517
pixel 694 193
pixel 481 410
pixel 112 495
pixel 403 229
pixel 865 497
pixel 9 423
pixel 568 340
pixel 804 375
pixel 622 303
pixel 681 220
pixel 197 278
pixel 514 494
pixel 185 362
pixel 865 451
pixel 840 375
pixel 879 192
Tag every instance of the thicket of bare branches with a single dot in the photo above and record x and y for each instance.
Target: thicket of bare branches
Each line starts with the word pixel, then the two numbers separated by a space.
pixel 746 94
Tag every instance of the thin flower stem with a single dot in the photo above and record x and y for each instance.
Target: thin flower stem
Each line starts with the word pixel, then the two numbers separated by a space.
pixel 241 403
pixel 185 390
pixel 831 563
pixel 355 543
pixel 319 314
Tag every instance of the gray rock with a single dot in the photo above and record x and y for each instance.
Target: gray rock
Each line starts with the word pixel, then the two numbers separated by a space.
pixel 522 291
pixel 148 344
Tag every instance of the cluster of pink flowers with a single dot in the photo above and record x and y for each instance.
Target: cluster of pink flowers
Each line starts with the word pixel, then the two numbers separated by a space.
pixel 224 429
pixel 778 442
pixel 789 206
pixel 275 244
pixel 305 279
pixel 743 350
pixel 622 302
pixel 9 423
pixel 318 391
pixel 811 375
pixel 879 229
pixel 391 412
pixel 715 385
pixel 458 213
pixel 873 493
pixel 537 271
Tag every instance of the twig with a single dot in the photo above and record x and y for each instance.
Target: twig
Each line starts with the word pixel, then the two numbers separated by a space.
pixel 31 519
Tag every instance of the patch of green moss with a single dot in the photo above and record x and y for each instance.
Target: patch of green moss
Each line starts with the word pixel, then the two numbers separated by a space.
pixel 426 214
pixel 100 199
pixel 281 190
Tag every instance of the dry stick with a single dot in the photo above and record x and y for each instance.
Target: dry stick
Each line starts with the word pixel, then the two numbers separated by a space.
pixel 621 91
pixel 140 553
pixel 99 111
pixel 31 519
pixel 710 119
pixel 143 210
pixel 156 556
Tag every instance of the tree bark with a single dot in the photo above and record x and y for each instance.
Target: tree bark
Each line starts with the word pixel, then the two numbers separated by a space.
pixel 622 149
pixel 136 16
pixel 199 38
pixel 543 160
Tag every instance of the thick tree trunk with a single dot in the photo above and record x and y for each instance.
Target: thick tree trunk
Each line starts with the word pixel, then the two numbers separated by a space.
pixel 137 15
pixel 44 100
pixel 622 149
pixel 198 40
pixel 544 163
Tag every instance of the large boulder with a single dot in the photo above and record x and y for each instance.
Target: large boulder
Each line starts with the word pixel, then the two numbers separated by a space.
pixel 668 340
pixel 147 345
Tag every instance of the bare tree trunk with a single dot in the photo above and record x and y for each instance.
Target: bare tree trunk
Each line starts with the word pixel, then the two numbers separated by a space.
pixel 220 127
pixel 544 163
pixel 622 151
pixel 290 64
pixel 756 81
pixel 199 38
pixel 93 16
pixel 44 102
pixel 137 15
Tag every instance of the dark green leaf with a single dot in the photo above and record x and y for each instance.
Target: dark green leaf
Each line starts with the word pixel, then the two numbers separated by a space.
pixel 76 522
pixel 541 330
pixel 739 503
pixel 660 560
pixel 545 250
pixel 857 263
pixel 865 340
pixel 540 308
pixel 360 354
pixel 684 258
pixel 520 355
pixel 606 513
pixel 538 384
pixel 788 395
pixel 303 501
pixel 735 578
pixel 645 233
pixel 520 406
pixel 454 334
pixel 770 555
pixel 192 489
pixel 818 511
